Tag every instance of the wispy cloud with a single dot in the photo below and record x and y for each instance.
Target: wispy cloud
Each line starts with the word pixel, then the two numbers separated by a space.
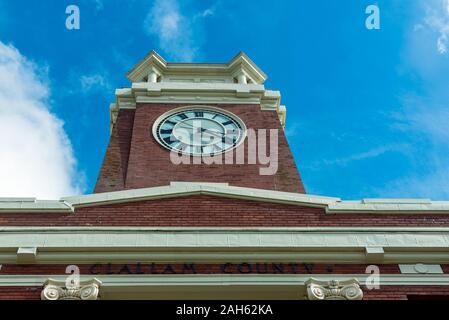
pixel 437 19
pixel 36 155
pixel 426 123
pixel 99 4
pixel 371 153
pixel 178 32
pixel 423 114
pixel 94 82
pixel 206 13
pixel 293 129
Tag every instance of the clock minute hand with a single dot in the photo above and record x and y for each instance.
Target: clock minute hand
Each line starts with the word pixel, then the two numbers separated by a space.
pixel 212 132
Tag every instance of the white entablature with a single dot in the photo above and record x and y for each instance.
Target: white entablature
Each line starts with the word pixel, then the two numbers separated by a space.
pixel 239 81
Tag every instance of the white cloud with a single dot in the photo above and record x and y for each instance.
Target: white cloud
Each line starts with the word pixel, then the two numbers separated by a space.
pixel 178 33
pixel 206 13
pixel 442 44
pixel 423 114
pixel 425 122
pixel 94 82
pixel 437 19
pixel 36 157
pixel 434 185
pixel 99 5
pixel 372 153
pixel 433 122
pixel 173 30
pixel 293 129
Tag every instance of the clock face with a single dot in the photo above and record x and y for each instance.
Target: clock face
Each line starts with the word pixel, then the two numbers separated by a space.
pixel 199 131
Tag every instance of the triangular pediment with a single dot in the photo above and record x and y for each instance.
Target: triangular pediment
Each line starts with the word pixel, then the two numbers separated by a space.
pixel 186 189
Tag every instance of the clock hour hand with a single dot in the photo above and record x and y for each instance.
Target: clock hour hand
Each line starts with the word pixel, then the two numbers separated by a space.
pixel 212 132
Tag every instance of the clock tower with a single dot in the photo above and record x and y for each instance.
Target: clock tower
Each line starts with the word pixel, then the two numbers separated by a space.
pixel 199 198
pixel 190 122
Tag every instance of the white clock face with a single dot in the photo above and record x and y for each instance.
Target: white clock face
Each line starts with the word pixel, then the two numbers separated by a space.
pixel 199 131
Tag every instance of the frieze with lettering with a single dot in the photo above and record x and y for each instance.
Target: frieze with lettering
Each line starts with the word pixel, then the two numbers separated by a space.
pixel 192 268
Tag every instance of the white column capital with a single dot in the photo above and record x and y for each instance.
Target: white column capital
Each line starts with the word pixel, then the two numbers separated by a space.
pixel 334 290
pixel 57 290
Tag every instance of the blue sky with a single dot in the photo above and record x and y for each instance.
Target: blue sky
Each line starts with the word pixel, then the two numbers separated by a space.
pixel 367 109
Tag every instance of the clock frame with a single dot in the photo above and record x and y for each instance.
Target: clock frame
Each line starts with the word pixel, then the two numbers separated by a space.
pixel 233 128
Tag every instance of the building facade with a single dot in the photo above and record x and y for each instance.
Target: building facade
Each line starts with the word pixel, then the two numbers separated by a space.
pixel 199 197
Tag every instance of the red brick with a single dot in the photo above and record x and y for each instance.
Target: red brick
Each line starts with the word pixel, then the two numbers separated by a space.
pixel 135 160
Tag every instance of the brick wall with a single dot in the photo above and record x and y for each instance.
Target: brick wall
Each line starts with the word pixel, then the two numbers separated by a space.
pixel 401 292
pixel 149 164
pixel 20 293
pixel 203 211
pixel 112 174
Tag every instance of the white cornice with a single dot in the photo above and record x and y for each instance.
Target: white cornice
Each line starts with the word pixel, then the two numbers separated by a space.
pixel 328 245
pixel 154 62
pixel 205 93
pixel 330 204
pixel 219 280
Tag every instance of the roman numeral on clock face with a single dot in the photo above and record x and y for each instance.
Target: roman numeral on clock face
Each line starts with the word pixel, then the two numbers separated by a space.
pixel 199 149
pixel 166 131
pixel 183 116
pixel 227 123
pixel 183 146
pixel 199 114
pixel 169 140
pixel 228 140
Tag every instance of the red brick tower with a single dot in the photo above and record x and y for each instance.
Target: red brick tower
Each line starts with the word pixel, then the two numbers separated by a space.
pixel 136 159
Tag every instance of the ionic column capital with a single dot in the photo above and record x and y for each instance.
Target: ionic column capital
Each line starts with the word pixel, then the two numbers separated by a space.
pixel 334 290
pixel 57 290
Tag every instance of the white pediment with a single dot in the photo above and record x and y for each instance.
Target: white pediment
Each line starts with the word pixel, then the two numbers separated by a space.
pixel 154 68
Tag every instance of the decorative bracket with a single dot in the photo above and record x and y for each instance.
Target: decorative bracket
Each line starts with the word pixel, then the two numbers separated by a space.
pixel 334 290
pixel 57 290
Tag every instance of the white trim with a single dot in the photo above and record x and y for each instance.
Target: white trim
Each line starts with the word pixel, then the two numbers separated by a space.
pixel 186 189
pixel 204 93
pixel 218 99
pixel 332 245
pixel 330 204
pixel 420 268
pixel 200 280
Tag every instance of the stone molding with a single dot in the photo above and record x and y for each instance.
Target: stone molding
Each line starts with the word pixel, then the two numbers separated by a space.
pixel 332 205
